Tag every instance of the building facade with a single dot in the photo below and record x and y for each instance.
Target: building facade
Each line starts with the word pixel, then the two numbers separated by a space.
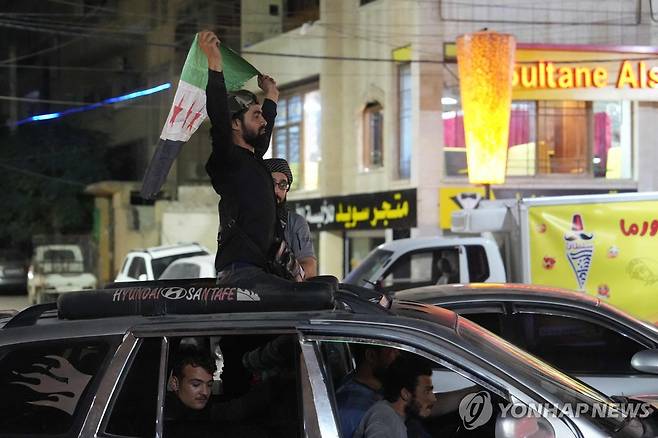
pixel 371 109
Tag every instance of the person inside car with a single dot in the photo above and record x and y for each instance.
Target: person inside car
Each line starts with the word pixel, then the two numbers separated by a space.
pixel 187 412
pixel 363 387
pixel 408 394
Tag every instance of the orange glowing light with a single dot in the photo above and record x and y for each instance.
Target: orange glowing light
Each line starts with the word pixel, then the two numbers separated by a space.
pixel 486 65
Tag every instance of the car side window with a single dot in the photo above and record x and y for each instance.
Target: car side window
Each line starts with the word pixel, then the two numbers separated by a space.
pixel 576 345
pixel 242 385
pixel 133 409
pixel 478 264
pixel 352 398
pixel 423 268
pixel 492 321
pixel 137 267
pixel 46 387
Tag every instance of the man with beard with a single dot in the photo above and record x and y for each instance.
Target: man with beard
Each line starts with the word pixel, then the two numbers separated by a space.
pixel 362 388
pixel 296 230
pixel 240 131
pixel 408 395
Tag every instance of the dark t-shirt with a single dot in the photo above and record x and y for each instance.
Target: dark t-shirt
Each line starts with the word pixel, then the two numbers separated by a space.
pixel 242 181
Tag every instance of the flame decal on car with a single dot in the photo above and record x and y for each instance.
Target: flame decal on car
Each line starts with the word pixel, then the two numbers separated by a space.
pixel 61 385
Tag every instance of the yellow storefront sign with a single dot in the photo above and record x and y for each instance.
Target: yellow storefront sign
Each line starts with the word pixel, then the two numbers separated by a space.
pixel 607 250
pixel 457 198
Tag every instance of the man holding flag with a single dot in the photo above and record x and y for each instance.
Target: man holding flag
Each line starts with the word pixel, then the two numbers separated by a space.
pixel 241 131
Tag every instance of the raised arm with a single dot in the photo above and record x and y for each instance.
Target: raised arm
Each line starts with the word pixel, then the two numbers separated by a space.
pixel 216 103
pixel 268 85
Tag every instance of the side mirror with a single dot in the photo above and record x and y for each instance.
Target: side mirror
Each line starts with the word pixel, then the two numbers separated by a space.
pixel 142 277
pixel 646 361
pixel 523 427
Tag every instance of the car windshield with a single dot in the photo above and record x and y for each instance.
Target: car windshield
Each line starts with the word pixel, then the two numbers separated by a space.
pixel 61 261
pixel 565 389
pixel 181 270
pixel 372 263
pixel 159 265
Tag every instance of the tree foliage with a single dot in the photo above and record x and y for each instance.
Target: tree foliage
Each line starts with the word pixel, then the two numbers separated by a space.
pixel 44 169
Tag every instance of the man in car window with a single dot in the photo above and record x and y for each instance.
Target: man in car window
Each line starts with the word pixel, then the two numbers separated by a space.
pixel 188 411
pixel 408 394
pixel 186 408
pixel 296 230
pixel 362 388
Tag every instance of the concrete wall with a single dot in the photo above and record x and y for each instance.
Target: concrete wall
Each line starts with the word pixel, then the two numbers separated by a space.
pixel 193 218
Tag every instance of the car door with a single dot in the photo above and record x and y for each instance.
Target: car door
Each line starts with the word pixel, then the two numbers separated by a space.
pixel 589 346
pixel 47 387
pixel 456 382
pixel 426 267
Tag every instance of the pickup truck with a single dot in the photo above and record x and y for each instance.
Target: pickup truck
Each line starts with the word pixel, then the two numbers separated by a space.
pixel 406 263
pixel 602 245
pixel 57 269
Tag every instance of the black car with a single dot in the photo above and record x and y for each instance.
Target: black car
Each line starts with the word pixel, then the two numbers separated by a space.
pixel 13 271
pixel 575 332
pixel 97 364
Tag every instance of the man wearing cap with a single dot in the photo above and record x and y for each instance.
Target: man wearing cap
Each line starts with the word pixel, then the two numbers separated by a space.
pixel 241 130
pixel 296 230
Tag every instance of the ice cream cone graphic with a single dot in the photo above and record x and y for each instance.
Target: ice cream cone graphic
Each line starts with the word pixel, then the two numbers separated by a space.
pixel 579 249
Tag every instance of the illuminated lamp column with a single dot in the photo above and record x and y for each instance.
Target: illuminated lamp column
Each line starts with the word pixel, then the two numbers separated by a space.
pixel 486 65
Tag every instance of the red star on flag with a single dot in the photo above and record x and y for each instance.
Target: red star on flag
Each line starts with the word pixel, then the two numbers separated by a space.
pixel 176 110
pixel 189 111
pixel 194 119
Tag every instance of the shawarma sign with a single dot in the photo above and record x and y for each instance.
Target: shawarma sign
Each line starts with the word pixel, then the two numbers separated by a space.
pixel 368 211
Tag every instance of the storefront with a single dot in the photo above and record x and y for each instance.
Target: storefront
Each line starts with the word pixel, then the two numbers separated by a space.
pixel 361 221
pixel 574 114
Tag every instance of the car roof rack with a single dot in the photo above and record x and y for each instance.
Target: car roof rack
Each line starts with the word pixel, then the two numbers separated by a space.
pixel 30 315
pixel 199 296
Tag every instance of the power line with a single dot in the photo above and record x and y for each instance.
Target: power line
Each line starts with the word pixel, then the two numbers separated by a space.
pixel 41 175
pixel 73 68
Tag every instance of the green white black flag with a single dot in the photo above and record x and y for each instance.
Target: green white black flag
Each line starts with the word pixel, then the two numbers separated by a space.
pixel 188 110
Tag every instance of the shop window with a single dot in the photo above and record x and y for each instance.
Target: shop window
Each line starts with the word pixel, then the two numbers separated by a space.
pixel 555 137
pixel 404 121
pixel 373 136
pixel 298 12
pixel 296 135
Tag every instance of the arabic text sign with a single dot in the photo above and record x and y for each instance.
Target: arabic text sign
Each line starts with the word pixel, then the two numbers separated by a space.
pixel 395 209
pixel 605 249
